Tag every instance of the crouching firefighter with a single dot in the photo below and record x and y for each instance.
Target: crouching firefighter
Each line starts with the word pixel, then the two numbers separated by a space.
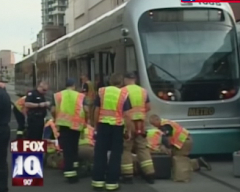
pixel 53 157
pixel 178 140
pixel 140 106
pixel 19 112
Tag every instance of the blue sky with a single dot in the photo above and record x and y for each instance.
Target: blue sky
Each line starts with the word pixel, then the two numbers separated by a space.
pixel 20 21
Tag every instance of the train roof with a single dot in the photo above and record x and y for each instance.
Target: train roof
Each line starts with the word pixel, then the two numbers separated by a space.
pixel 79 30
pixel 76 31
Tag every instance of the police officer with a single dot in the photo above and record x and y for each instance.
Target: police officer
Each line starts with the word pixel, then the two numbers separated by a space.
pixel 111 108
pixel 140 106
pixel 36 111
pixel 69 110
pixel 5 117
pixel 19 113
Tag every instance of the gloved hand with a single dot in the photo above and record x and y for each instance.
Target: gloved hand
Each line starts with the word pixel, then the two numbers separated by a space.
pixel 165 141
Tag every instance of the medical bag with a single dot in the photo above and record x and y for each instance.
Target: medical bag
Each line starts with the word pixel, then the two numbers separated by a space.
pixel 162 165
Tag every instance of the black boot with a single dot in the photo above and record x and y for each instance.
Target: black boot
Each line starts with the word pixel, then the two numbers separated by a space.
pixel 4 180
pixel 127 179
pixel 203 163
pixel 149 179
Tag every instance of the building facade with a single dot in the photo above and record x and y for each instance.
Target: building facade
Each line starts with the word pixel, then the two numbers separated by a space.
pixel 236 10
pixel 53 12
pixel 7 61
pixel 81 12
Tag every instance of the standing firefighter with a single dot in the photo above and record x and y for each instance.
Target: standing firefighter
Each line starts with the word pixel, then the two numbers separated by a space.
pixel 19 112
pixel 70 116
pixel 140 106
pixel 112 106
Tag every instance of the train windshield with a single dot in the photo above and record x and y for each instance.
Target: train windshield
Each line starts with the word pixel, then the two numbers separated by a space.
pixel 190 55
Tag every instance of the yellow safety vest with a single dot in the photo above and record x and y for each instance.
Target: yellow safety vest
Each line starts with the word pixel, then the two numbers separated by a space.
pixel 153 139
pixel 87 137
pixel 20 104
pixel 112 101
pixel 180 134
pixel 137 96
pixel 69 109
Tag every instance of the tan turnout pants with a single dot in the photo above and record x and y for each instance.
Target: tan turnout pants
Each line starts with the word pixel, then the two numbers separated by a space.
pixel 143 156
pixel 185 151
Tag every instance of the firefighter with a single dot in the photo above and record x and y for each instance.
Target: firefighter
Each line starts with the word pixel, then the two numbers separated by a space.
pixel 154 140
pixel 111 109
pixel 140 106
pixel 88 90
pixel 179 140
pixel 19 112
pixel 86 150
pixel 53 157
pixel 69 112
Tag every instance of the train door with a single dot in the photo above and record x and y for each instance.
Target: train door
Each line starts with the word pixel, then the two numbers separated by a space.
pixel 131 59
pixel 53 76
pixel 73 71
pixel 83 68
pixel 91 67
pixel 106 66
pixel 62 73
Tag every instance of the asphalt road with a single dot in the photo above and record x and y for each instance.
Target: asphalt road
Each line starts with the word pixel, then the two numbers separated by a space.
pixel 220 179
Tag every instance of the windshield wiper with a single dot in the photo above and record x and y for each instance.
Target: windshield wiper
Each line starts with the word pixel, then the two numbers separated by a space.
pixel 166 72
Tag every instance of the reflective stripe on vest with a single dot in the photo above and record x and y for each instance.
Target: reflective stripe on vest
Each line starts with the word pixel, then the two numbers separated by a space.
pixel 180 134
pixel 90 95
pixel 51 124
pixel 112 100
pixel 153 138
pixel 69 108
pixel 87 138
pixel 137 96
pixel 20 104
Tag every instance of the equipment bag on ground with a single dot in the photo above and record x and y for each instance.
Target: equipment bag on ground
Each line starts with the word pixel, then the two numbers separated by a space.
pixel 236 164
pixel 162 165
pixel 182 169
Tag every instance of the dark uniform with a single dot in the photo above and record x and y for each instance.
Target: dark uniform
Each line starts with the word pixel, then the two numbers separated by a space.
pixel 5 117
pixel 108 138
pixel 20 118
pixel 35 116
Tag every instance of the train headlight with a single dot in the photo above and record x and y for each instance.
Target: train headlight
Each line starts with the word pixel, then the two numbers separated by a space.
pixel 167 96
pixel 227 94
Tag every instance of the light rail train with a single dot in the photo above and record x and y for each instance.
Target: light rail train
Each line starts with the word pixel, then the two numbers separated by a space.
pixel 185 54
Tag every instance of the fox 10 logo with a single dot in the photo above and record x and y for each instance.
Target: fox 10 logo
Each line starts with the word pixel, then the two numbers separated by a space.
pixel 27 162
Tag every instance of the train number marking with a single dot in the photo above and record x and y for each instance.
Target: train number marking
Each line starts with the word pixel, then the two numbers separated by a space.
pixel 217 4
pixel 201 111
